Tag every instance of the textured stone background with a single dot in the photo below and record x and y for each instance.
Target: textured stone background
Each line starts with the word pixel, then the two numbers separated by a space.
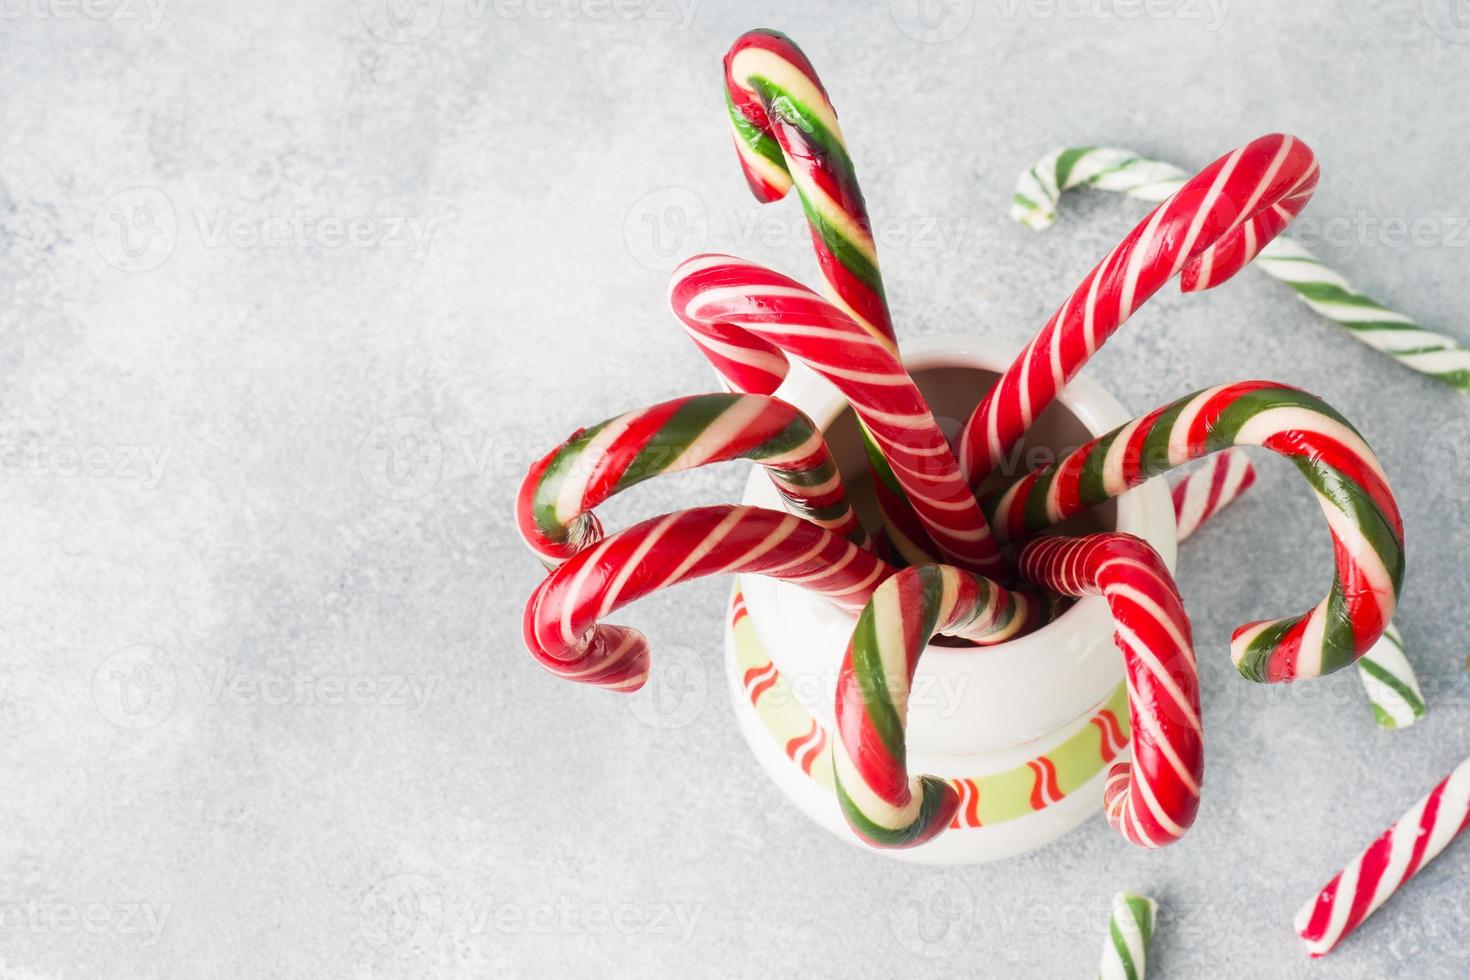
pixel 289 298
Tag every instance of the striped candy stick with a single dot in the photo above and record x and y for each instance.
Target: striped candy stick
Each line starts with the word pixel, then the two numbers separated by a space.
pixel 1321 288
pixel 882 804
pixel 1396 856
pixel 561 627
pixel 738 312
pixel 1130 933
pixel 1387 676
pixel 554 506
pixel 1205 233
pixel 1211 488
pixel 1153 800
pixel 903 533
pixel 786 134
pixel 1367 531
pixel 1389 679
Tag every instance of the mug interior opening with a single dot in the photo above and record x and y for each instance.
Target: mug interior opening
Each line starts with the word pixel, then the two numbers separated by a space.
pixel 952 393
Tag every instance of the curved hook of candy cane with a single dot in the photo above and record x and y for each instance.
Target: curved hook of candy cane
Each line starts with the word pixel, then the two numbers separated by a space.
pixel 1284 259
pixel 1204 233
pixel 729 306
pixel 554 506
pixel 561 624
pixel 1350 485
pixel 1387 675
pixel 882 804
pixel 1106 168
pixel 747 361
pixel 1153 800
pixel 786 132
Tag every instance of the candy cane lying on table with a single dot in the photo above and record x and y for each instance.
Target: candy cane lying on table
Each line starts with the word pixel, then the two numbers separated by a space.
pixel 882 805
pixel 1205 233
pixel 743 316
pixel 1374 875
pixel 786 133
pixel 1362 515
pixel 1389 679
pixel 1206 491
pixel 1325 291
pixel 561 627
pixel 1152 800
pixel 1130 933
pixel 554 507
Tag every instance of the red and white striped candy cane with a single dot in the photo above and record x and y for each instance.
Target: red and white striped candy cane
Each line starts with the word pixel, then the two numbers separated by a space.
pixel 1396 856
pixel 1350 485
pixel 743 316
pixel 1153 800
pixel 786 133
pixel 1206 232
pixel 561 624
pixel 554 506
pixel 1206 491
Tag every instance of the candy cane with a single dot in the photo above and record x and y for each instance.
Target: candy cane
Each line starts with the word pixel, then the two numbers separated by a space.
pixel 1202 494
pixel 1389 679
pixel 1206 232
pixel 1367 531
pixel 1285 259
pixel 561 625
pixel 737 311
pixel 554 507
pixel 1153 800
pixel 1130 933
pixel 786 133
pixel 882 804
pixel 1374 875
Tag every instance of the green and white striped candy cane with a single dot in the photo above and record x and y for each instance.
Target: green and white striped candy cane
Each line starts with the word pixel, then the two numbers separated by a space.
pixel 1034 204
pixel 1130 932
pixel 1389 679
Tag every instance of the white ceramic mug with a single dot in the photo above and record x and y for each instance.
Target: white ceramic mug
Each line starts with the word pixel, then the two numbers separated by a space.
pixel 1027 729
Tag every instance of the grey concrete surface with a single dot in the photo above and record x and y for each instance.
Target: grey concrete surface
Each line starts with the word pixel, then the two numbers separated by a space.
pixel 291 293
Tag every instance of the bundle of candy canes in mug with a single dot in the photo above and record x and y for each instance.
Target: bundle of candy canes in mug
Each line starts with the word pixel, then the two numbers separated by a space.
pixel 962 549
